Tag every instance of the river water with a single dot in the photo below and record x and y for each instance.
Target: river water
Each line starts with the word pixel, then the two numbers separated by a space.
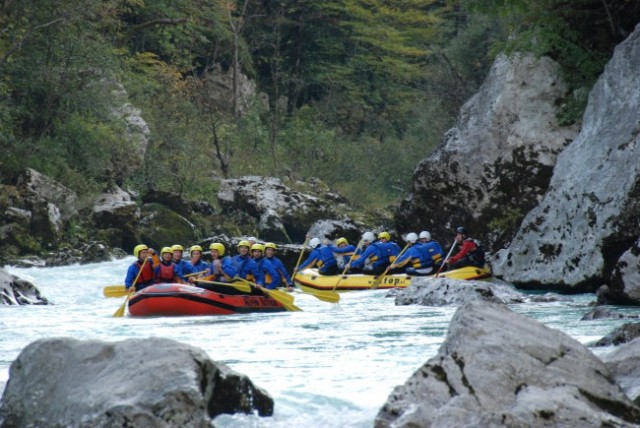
pixel 327 366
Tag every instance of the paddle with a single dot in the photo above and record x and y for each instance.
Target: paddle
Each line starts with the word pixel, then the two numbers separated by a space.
pixel 245 288
pixel 346 267
pixel 120 311
pixel 121 291
pixel 195 273
pixel 325 295
pixel 283 298
pixel 304 245
pixel 378 280
pixel 114 291
pixel 446 258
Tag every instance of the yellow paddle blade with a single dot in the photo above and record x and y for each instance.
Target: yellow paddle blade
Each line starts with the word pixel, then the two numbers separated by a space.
pixel 114 291
pixel 120 311
pixel 325 295
pixel 245 288
pixel 284 298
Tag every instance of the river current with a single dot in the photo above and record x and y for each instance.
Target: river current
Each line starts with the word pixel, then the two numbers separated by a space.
pixel 331 365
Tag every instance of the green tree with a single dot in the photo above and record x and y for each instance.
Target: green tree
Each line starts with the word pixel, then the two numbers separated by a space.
pixel 58 67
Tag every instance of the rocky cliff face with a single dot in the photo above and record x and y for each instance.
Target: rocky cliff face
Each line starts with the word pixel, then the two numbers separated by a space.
pixel 495 165
pixel 589 215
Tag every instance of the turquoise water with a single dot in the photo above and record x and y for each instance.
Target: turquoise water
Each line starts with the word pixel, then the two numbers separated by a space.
pixel 328 366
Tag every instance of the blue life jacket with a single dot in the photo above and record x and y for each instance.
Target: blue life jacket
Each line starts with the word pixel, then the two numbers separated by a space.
pixel 434 251
pixel 246 267
pixel 320 257
pixel 285 278
pixel 267 275
pixel 198 267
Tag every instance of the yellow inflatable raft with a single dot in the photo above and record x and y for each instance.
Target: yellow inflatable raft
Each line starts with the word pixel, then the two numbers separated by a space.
pixel 309 279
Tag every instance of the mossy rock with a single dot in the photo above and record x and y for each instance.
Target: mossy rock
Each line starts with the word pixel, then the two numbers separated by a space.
pixel 160 226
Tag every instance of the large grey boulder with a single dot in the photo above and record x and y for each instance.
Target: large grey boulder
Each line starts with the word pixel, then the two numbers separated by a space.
pixel 49 203
pixel 151 382
pixel 428 291
pixel 589 216
pixel 624 364
pixel 280 213
pixel 498 368
pixel 624 287
pixel 495 165
pixel 16 291
pixel 621 334
pixel 116 215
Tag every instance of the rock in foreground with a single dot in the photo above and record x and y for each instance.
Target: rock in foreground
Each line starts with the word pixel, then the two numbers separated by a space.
pixel 498 368
pixel 151 382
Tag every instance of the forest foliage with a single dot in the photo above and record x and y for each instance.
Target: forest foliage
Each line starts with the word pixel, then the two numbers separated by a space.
pixel 354 92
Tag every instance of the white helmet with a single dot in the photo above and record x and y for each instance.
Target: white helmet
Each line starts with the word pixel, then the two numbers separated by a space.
pixel 411 237
pixel 425 234
pixel 314 242
pixel 368 236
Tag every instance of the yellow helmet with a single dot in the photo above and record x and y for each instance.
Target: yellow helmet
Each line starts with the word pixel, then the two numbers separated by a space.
pixel 244 243
pixel 138 248
pixel 195 248
pixel 166 250
pixel 218 247
pixel 384 235
pixel 342 241
pixel 270 245
pixel 258 247
pixel 177 247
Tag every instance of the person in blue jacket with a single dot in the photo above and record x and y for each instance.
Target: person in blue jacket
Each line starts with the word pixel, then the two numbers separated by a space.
pixel 267 277
pixel 140 271
pixel 320 256
pixel 181 264
pixel 431 247
pixel 246 268
pixel 390 249
pixel 270 254
pixel 221 268
pixel 415 260
pixel 196 264
pixel 378 254
pixel 344 251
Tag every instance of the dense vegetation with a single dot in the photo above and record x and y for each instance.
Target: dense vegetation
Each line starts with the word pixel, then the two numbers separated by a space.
pixel 354 92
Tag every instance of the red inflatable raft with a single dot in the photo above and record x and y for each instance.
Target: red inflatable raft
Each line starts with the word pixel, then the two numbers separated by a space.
pixel 180 299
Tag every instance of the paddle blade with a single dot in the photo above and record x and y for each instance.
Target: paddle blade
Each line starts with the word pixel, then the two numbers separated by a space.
pixel 120 312
pixel 114 291
pixel 242 287
pixel 283 298
pixel 324 295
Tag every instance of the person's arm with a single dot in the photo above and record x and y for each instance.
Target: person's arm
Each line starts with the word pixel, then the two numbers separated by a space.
pixel 258 275
pixel 466 247
pixel 311 260
pixel 273 273
pixel 404 258
pixel 359 262
pixel 228 268
pixel 282 271
pixel 156 273
pixel 132 272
